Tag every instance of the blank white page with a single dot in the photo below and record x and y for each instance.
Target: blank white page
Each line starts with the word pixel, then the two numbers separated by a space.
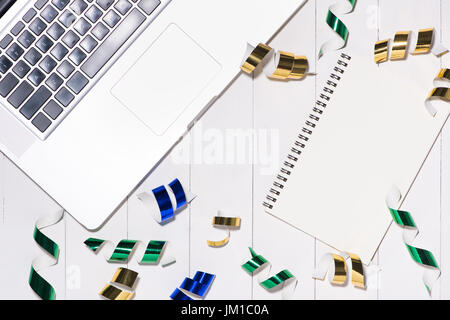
pixel 375 133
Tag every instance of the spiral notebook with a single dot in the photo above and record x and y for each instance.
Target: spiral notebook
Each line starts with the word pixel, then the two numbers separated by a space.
pixel 368 131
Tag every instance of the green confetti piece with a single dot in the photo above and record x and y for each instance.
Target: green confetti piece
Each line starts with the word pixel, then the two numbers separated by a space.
pixel 255 263
pixel 153 251
pixel 277 279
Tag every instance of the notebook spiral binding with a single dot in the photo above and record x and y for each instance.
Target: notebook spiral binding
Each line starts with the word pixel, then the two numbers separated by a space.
pixel 306 131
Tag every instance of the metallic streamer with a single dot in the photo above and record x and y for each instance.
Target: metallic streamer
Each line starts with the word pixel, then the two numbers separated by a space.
pixel 357 271
pixel 342 7
pixel 39 285
pixel 198 286
pixel 425 43
pixel 124 277
pixel 410 231
pixel 381 51
pixel 256 57
pixel 179 193
pixel 442 92
pixel 125 248
pixel 164 202
pixel 258 262
pixel 229 222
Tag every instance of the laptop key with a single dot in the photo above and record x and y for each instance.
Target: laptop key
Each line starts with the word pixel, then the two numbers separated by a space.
pixel 77 56
pixel 70 39
pixel 60 4
pixel 32 56
pixel 67 18
pixel 77 82
pixel 104 4
pixel 47 64
pixel 5 41
pixel 26 39
pixel 82 26
pixel 100 31
pixel 36 77
pixel 88 43
pixel 52 109
pixel 78 6
pixel 112 43
pixel 21 69
pixel 35 102
pixel 44 43
pixel 122 6
pixel 65 69
pixel 5 64
pixel 49 13
pixel 55 31
pixel 41 122
pixel 40 4
pixel 29 15
pixel 148 6
pixel 54 81
pixel 8 83
pixel 93 13
pixel 17 28
pixel 59 51
pixel 111 18
pixel 14 51
pixel 37 26
pixel 64 96
pixel 20 94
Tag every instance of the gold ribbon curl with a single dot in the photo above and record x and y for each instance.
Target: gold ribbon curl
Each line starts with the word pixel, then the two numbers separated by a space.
pixel 124 277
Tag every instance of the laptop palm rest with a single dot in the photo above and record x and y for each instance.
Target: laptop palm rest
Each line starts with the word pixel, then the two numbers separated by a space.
pixel 166 78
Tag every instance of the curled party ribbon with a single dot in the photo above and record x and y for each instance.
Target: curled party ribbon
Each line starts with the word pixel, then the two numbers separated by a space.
pixel 441 92
pixel 124 277
pixel 228 222
pixel 341 31
pixel 421 256
pixel 39 285
pixel 336 267
pixel 198 286
pixel 284 278
pixel 151 254
pixel 165 201
pixel 424 43
pixel 280 65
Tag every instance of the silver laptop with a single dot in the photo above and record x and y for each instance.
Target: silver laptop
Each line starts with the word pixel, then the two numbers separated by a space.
pixel 93 93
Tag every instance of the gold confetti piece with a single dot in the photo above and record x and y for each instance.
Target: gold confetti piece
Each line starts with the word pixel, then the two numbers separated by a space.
pixel 441 92
pixel 400 46
pixel 125 277
pixel 300 67
pixel 357 271
pixel 424 41
pixel 255 58
pixel 112 293
pixel 219 243
pixel 284 66
pixel 381 51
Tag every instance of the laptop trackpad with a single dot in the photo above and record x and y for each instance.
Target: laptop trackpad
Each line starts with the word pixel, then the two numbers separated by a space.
pixel 168 76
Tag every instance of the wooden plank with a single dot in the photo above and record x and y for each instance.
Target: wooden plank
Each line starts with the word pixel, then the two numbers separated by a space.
pixel 155 281
pixel 445 166
pixel 363 29
pixel 221 176
pixel 400 276
pixel 24 203
pixel 280 110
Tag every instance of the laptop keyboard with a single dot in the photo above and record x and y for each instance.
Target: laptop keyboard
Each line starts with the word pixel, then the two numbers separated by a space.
pixel 54 53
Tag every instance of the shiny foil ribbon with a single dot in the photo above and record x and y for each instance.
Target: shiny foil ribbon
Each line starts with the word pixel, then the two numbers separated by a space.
pixel 284 278
pixel 227 222
pixel 39 285
pixel 421 256
pixel 281 65
pixel 440 93
pixel 166 201
pixel 197 286
pixel 424 43
pixel 151 254
pixel 336 267
pixel 124 277
pixel 340 30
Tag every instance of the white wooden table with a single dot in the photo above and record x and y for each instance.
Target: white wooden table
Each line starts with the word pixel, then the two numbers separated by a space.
pixel 229 160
